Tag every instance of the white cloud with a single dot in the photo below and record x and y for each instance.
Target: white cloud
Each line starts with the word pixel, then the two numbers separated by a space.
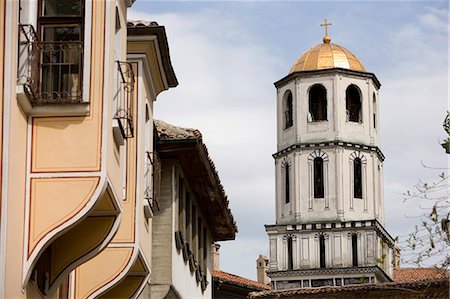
pixel 436 19
pixel 226 75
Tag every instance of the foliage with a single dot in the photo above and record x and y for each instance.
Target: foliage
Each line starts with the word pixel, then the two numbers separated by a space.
pixel 429 243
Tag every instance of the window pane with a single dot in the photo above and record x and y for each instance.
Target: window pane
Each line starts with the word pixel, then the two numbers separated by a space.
pixel 59 33
pixel 61 8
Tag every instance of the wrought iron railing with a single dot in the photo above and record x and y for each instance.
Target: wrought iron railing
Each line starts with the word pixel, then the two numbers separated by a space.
pixel 152 178
pixel 124 114
pixel 51 70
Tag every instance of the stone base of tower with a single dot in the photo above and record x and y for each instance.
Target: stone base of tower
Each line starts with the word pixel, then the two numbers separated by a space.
pixel 329 254
pixel 311 278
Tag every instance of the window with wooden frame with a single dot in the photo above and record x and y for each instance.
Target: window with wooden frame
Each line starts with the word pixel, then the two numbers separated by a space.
pixel 58 52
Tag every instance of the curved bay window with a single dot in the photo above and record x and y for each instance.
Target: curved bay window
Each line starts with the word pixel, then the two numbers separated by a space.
pixel 353 104
pixel 59 52
pixel 288 110
pixel 317 103
pixel 318 178
pixel 357 178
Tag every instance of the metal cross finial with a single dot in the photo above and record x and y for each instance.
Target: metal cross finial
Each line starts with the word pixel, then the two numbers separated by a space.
pixel 326 39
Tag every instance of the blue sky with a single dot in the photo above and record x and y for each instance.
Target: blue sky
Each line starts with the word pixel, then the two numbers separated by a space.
pixel 228 54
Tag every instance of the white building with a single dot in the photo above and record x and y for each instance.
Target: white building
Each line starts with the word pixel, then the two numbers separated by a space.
pixel 329 175
pixel 193 215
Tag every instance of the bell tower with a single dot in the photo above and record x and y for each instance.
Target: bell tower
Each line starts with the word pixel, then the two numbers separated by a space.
pixel 329 175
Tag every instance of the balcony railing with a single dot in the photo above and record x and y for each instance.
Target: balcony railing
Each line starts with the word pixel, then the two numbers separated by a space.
pixel 124 113
pixel 152 177
pixel 51 71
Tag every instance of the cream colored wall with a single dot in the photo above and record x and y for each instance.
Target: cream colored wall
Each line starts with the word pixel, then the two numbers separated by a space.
pixel 16 203
pixel 2 99
pixel 114 152
pixel 72 144
pixel 145 225
pixel 15 195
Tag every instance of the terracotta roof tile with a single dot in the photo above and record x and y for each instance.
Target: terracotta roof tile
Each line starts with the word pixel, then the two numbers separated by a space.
pixel 417 274
pixel 437 288
pixel 168 132
pixel 141 24
pixel 234 279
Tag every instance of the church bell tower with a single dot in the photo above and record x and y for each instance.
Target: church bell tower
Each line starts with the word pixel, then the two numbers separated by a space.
pixel 329 227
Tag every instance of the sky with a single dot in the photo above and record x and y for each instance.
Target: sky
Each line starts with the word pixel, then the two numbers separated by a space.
pixel 227 55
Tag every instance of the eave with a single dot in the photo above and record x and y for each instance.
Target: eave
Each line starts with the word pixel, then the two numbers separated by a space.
pixel 200 172
pixel 161 37
pixel 333 71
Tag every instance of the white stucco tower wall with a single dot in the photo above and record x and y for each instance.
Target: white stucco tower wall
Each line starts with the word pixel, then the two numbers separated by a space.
pixel 329 175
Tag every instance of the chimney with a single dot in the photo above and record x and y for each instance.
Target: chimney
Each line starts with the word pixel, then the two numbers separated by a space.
pixel 215 256
pixel 262 264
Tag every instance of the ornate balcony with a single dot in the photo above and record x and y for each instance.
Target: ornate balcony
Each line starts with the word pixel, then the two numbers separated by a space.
pixel 152 180
pixel 50 71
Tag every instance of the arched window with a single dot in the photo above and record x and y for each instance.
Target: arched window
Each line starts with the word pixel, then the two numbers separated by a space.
pixel 287 183
pixel 290 262
pixel 317 103
pixel 354 250
pixel 374 111
pixel 353 104
pixel 318 178
pixel 322 251
pixel 357 178
pixel 288 110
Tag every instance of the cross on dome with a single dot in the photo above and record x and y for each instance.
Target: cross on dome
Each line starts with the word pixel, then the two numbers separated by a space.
pixel 326 39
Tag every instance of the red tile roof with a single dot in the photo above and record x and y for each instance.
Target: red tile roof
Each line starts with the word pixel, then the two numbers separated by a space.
pixel 437 288
pixel 417 274
pixel 237 280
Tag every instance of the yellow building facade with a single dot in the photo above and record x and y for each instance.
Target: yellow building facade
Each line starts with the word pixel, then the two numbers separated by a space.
pixel 79 175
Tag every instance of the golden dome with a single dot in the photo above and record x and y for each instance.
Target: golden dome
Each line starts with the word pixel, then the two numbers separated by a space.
pixel 327 56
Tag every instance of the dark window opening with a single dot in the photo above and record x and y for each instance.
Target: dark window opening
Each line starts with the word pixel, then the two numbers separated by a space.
pixel 374 112
pixel 200 241
pixel 194 231
pixel 353 104
pixel 322 251
pixel 355 250
pixel 288 110
pixel 357 178
pixel 318 178
pixel 181 206
pixel 290 264
pixel 206 247
pixel 318 103
pixel 287 183
pixel 188 218
pixel 118 25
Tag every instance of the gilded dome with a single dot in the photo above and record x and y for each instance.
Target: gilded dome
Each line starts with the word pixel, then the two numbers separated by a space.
pixel 327 56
